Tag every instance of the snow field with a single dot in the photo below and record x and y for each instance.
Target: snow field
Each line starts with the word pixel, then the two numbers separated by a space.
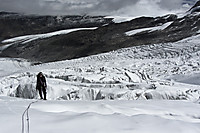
pixel 102 116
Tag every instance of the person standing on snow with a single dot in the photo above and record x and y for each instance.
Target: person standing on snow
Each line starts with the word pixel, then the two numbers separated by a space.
pixel 41 85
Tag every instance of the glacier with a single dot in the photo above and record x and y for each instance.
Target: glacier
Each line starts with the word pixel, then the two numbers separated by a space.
pixel 148 88
pixel 142 72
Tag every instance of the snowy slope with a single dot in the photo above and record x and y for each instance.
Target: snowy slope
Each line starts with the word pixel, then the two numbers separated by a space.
pixel 100 116
pixel 142 72
pixel 151 29
pixel 11 65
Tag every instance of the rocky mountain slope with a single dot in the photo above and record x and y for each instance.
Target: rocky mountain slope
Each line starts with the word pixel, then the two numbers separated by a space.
pixel 14 24
pixel 112 36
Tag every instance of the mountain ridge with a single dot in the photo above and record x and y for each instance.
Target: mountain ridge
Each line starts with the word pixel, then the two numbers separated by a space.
pixel 107 37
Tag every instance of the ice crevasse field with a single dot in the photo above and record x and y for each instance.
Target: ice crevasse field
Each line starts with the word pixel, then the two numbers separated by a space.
pixel 154 88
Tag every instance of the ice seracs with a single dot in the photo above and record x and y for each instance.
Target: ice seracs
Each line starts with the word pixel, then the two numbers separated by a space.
pixel 142 72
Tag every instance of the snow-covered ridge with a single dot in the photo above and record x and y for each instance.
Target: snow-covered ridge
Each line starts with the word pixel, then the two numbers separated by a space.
pixel 120 19
pixel 28 38
pixel 151 29
pixel 195 9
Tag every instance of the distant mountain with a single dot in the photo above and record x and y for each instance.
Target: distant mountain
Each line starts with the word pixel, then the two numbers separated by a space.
pixel 109 36
pixel 14 24
pixel 189 2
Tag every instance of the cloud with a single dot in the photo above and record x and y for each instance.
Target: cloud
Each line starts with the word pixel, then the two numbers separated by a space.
pixel 22 6
pixel 94 7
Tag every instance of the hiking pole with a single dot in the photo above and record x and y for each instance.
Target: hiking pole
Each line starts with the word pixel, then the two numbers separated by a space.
pixel 27 118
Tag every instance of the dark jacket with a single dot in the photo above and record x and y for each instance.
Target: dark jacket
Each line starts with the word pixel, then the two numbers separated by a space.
pixel 41 82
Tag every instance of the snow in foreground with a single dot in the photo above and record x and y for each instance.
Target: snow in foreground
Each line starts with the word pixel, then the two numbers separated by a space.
pixel 101 116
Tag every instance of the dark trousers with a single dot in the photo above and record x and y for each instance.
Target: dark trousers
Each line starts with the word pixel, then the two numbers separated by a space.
pixel 42 90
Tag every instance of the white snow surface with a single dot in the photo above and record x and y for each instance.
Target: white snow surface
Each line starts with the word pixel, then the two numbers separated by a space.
pixel 150 29
pixel 139 89
pixel 29 38
pixel 120 19
pixel 100 116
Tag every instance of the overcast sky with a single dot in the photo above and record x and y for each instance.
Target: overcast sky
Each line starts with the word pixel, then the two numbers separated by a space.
pixel 94 7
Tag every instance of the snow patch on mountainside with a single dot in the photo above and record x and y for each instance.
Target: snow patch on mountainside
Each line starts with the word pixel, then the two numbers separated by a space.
pixel 120 19
pixel 28 38
pixel 151 29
